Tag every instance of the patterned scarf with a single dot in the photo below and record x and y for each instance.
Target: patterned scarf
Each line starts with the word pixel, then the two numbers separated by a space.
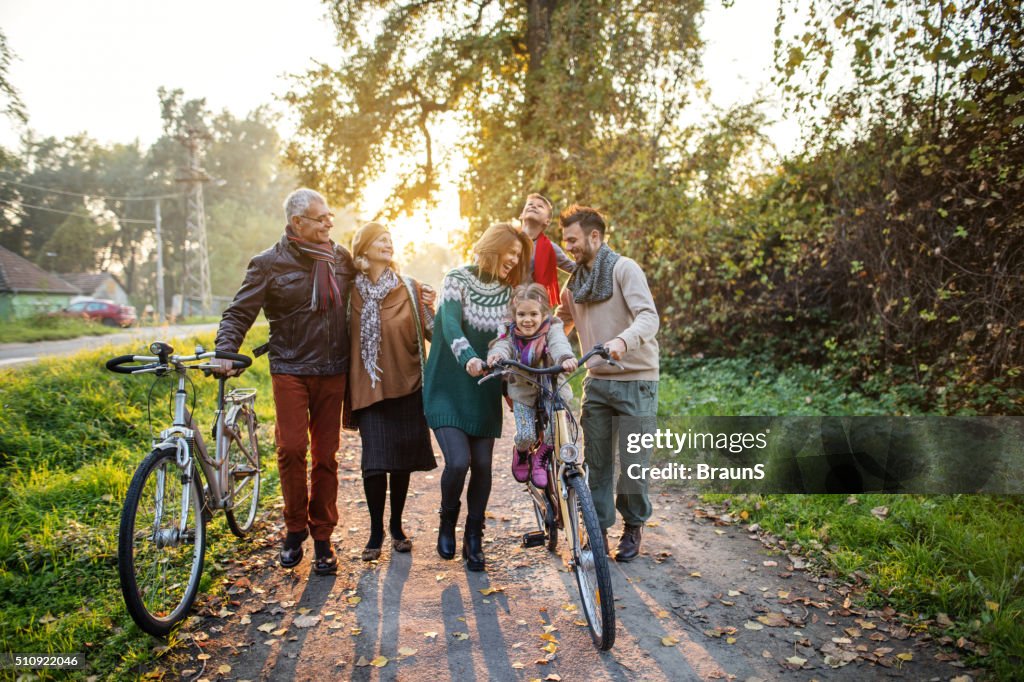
pixel 531 349
pixel 325 287
pixel 594 285
pixel 370 325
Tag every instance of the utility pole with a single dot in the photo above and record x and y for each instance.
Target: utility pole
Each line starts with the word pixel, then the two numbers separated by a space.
pixel 160 310
pixel 197 261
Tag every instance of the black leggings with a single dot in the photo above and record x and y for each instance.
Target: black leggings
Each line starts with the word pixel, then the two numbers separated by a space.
pixel 376 489
pixel 464 453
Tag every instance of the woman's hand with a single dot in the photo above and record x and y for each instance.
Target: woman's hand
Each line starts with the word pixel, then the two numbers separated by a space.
pixel 491 359
pixel 570 365
pixel 475 367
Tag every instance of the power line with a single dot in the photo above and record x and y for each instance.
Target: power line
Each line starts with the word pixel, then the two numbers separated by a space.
pixel 54 210
pixel 176 195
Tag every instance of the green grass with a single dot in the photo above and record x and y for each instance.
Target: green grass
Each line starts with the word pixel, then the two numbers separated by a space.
pixel 960 555
pixel 71 435
pixel 50 328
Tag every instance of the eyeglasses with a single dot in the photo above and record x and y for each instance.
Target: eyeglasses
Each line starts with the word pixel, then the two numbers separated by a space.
pixel 326 217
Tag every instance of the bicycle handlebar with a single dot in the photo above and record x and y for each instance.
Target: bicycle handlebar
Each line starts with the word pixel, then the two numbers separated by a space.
pixel 155 363
pixel 555 369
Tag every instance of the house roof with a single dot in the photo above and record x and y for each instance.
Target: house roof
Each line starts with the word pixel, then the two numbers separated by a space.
pixel 18 274
pixel 88 282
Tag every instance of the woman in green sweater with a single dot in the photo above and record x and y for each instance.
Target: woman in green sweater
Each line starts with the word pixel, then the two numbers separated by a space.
pixel 465 416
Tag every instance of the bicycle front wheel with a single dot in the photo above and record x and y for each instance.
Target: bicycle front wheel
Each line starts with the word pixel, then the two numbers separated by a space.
pixel 590 563
pixel 243 473
pixel 161 543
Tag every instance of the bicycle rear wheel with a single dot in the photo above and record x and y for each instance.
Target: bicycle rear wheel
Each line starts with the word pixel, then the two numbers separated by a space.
pixel 590 563
pixel 243 472
pixel 161 543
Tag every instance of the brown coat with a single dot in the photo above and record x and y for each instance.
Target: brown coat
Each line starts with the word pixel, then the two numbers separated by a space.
pixel 399 357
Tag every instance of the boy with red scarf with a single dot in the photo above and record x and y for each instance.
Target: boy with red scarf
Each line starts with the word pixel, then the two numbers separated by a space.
pixel 548 257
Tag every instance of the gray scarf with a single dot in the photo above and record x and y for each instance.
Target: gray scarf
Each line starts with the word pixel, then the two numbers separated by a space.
pixel 369 326
pixel 594 285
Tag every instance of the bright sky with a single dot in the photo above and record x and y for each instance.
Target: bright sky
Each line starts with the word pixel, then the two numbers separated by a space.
pixel 95 67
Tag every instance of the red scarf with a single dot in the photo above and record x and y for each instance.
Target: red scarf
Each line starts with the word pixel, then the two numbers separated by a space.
pixel 545 268
pixel 325 287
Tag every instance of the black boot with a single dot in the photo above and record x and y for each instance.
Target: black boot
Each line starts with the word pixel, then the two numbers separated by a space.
pixel 472 545
pixel 446 532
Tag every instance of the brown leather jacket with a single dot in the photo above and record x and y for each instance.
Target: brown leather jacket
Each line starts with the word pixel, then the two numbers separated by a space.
pixel 302 341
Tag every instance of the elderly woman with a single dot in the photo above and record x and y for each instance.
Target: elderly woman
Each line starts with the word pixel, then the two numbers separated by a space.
pixel 465 416
pixel 387 329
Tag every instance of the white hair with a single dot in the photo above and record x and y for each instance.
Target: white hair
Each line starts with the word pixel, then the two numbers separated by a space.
pixel 298 201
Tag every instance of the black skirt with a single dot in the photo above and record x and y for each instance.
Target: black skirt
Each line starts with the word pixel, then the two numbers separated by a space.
pixel 395 436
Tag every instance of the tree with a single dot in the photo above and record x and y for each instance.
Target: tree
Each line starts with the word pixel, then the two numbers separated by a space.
pixel 566 97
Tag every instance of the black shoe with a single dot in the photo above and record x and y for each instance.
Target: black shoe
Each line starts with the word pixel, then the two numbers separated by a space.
pixel 629 544
pixel 446 532
pixel 324 562
pixel 291 551
pixel 472 545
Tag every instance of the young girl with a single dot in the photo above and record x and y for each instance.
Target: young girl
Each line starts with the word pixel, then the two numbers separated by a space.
pixel 535 338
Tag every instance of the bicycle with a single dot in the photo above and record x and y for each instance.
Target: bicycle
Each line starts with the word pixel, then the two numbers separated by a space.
pixel 161 542
pixel 566 498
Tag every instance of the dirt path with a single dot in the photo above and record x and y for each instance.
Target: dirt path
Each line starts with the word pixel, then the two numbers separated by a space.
pixel 707 599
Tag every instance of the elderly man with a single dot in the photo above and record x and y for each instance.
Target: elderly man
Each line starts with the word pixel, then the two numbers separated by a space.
pixel 301 283
pixel 548 257
pixel 610 304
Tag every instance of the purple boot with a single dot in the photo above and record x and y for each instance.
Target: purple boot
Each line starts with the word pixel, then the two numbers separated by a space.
pixel 539 465
pixel 520 465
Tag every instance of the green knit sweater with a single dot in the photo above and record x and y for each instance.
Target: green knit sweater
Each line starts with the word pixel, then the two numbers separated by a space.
pixel 468 318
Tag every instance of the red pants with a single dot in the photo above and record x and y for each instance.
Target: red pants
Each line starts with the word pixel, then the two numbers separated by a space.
pixel 309 412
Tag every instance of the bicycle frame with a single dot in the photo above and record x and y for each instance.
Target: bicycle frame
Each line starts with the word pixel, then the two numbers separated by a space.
pixel 182 434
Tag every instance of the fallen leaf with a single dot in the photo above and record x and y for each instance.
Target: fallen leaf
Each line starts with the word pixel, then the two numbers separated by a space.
pixel 750 625
pixel 203 657
pixel 773 620
pixel 669 641
pixel 730 640
pixel 362 662
pixel 430 635
pixel 354 600
pixel 880 513
pixel 406 651
pixel 992 606
pixel 568 607
pixel 550 647
pixel 224 669
pixel 769 563
pixel 553 677
pixel 944 620
pixel 460 635
pixel 518 666
pixel 662 614
pixel 487 591
pixel 267 627
pixel 796 660
pixel 279 632
pixel 356 631
pixel 440 576
pixel 306 621
pixel 379 662
pixel 548 637
pixel 906 656
pixel 734 593
pixel 245 620
pixel 695 574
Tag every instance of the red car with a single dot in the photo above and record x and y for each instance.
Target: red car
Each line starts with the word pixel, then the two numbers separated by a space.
pixel 106 312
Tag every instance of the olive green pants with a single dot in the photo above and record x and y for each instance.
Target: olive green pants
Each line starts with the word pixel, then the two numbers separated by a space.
pixel 603 401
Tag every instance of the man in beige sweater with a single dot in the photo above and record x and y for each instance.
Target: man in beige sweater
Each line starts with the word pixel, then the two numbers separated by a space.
pixel 609 303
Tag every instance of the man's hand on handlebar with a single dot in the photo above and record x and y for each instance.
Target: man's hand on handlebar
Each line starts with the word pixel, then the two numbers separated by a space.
pixel 616 348
pixel 224 367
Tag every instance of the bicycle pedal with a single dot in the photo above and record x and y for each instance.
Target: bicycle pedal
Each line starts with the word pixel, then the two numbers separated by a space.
pixel 535 538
